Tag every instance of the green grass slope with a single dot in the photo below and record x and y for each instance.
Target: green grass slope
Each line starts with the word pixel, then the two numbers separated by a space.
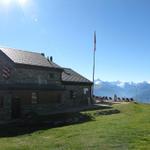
pixel 127 130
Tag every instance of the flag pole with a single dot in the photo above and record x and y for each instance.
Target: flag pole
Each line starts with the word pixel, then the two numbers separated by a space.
pixel 94 55
pixel 94 50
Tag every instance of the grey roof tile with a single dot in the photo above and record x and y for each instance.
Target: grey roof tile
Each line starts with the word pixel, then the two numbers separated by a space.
pixel 70 75
pixel 28 58
pixel 36 59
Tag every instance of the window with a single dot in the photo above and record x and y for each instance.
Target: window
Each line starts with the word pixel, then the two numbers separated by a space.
pixel 51 75
pixel 72 94
pixel 1 102
pixel 34 98
pixel 85 91
pixel 39 79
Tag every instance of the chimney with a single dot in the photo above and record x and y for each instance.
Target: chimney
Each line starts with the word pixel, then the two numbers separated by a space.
pixel 51 59
pixel 48 58
pixel 43 54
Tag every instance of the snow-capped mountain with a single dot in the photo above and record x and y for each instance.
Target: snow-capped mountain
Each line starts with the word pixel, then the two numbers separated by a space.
pixel 139 91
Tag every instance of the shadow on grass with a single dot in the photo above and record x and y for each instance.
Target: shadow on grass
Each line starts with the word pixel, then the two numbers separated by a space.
pixel 98 107
pixel 34 122
pixel 107 112
pixel 30 125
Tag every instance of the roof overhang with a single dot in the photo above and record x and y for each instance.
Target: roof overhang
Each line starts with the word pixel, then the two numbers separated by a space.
pixel 77 83
pixel 17 65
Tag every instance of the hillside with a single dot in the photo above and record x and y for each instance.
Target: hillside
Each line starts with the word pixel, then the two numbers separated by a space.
pixel 105 132
pixel 139 91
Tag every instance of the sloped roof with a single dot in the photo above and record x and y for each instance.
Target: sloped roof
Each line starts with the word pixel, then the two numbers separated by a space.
pixel 28 58
pixel 70 75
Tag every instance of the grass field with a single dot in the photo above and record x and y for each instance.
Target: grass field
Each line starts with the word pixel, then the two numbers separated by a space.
pixel 127 130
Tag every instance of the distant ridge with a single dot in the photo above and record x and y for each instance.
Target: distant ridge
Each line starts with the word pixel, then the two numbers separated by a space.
pixel 139 91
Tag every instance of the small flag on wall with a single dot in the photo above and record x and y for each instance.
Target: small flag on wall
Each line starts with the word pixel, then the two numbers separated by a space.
pixel 6 72
pixel 95 41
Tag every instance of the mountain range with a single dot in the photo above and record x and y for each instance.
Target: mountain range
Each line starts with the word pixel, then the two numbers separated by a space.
pixel 139 91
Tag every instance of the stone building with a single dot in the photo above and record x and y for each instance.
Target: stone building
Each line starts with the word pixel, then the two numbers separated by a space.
pixel 29 82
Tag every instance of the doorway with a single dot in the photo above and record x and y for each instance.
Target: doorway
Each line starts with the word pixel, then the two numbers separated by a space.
pixel 15 108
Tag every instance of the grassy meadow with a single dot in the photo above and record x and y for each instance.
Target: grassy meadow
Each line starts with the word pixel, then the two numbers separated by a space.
pixel 127 130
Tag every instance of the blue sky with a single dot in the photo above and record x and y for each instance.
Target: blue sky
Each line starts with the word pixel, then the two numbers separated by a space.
pixel 64 29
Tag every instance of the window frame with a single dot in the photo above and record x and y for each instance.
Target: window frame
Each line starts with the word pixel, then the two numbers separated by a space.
pixel 85 91
pixel 34 98
pixel 72 94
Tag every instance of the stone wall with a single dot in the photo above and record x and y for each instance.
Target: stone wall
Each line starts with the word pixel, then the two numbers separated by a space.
pixel 27 74
pixel 20 74
pixel 67 102
pixel 5 108
pixel 75 96
pixel 36 76
pixel 32 76
pixel 48 101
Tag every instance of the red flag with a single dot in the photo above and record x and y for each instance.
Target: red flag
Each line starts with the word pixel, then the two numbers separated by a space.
pixel 5 70
pixel 95 41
